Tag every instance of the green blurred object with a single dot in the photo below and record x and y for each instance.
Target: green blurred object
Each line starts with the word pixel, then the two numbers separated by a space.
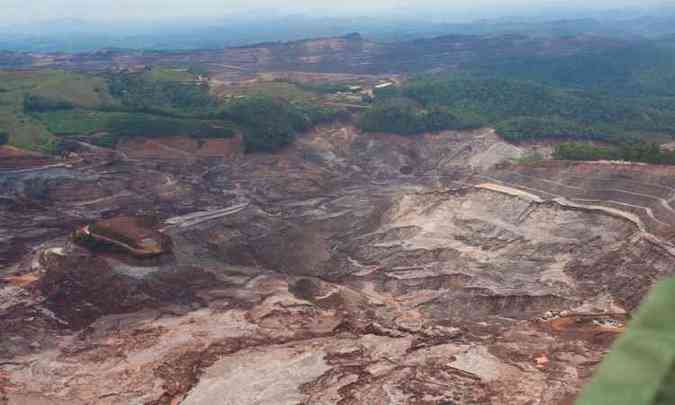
pixel 640 369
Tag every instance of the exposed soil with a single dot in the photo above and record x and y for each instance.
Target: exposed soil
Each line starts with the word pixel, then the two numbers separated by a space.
pixel 14 158
pixel 181 148
pixel 347 269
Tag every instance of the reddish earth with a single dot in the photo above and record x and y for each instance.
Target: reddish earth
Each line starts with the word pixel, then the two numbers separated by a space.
pixel 181 148
pixel 12 152
pixel 14 158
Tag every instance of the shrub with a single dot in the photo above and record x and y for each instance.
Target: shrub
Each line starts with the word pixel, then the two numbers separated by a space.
pixel 152 126
pixel 527 128
pixel 38 104
pixel 270 124
pixel 645 152
pixel 142 95
pixel 404 118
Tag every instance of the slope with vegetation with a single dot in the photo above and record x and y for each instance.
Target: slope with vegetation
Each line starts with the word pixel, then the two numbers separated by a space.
pixel 37 108
pixel 616 95
pixel 269 124
pixel 23 92
pixel 645 152
pixel 561 88
pixel 522 110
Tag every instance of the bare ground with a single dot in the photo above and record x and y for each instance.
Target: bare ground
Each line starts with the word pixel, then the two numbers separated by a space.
pixel 348 269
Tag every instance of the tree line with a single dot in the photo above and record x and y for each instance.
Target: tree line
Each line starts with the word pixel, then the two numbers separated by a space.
pixel 641 151
pixel 519 110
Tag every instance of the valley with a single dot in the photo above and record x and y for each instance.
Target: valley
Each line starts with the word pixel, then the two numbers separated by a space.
pixel 455 220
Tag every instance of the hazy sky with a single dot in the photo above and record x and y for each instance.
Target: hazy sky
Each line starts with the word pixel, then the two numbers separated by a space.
pixel 15 11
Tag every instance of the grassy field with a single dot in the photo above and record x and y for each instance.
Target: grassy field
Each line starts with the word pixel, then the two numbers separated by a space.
pixel 285 90
pixel 26 133
pixel 39 107
pixel 31 132
pixel 81 90
pixel 78 122
pixel 168 75
pixel 95 109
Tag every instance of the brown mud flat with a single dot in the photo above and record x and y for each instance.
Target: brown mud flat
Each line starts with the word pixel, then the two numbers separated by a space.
pixel 347 269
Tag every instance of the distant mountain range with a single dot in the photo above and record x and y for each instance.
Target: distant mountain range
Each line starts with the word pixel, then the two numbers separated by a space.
pixel 76 35
pixel 351 53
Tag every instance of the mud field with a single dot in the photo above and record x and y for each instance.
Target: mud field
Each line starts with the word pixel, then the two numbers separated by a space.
pixel 348 269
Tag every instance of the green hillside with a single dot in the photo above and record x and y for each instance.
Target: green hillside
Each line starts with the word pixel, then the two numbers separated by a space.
pixel 37 108
pixel 613 95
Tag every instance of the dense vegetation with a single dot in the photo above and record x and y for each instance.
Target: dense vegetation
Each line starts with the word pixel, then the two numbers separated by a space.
pixel 269 124
pixel 407 119
pixel 37 109
pixel 140 93
pixel 152 126
pixel 614 92
pixel 528 128
pixel 526 110
pixel 617 94
pixel 646 152
pixel 4 138
pixel 266 123
pixel 39 104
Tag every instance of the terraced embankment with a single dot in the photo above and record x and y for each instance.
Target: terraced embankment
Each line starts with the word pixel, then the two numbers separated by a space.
pixel 646 191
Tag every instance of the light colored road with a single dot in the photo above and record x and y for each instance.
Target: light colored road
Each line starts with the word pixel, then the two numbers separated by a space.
pixel 510 191
pixel 34 169
pixel 197 218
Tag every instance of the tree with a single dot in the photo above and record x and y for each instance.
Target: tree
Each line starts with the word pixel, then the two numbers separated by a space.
pixel 645 152
pixel 400 116
pixel 269 124
pixel 38 104
pixel 4 138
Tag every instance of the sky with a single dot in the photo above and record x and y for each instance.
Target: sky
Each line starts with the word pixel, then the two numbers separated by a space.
pixel 22 11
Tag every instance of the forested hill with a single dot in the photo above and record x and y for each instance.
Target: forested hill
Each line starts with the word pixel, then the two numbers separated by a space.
pixel 613 94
